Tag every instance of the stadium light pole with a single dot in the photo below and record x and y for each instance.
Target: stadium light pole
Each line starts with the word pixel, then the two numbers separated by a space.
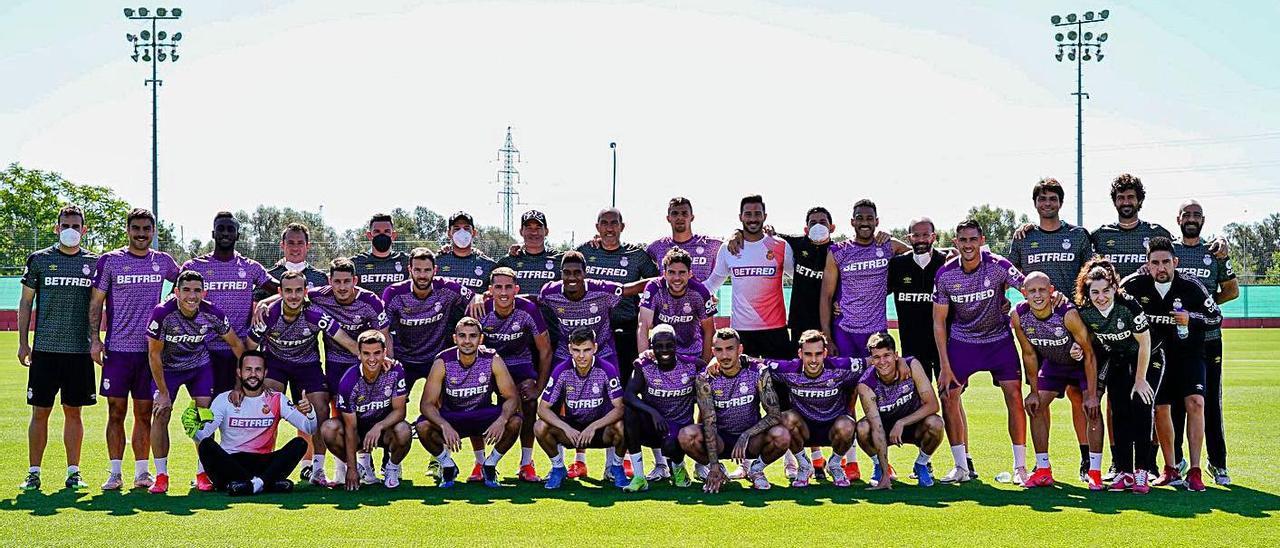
pixel 1079 46
pixel 614 148
pixel 154 46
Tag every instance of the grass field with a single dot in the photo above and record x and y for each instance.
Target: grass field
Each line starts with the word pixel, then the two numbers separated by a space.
pixel 980 512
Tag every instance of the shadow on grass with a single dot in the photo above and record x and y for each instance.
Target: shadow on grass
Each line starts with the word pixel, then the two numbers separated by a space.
pixel 1236 500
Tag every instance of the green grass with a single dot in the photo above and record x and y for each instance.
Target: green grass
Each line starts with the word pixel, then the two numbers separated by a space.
pixel 417 513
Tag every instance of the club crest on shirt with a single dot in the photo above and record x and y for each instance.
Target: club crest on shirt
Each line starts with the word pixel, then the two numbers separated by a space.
pixel 906 279
pixel 306 332
pixel 265 409
pixel 1119 324
pixel 699 250
pixel 684 378
pixel 550 264
pixel 594 309
pixel 879 252
pixel 479 271
pixel 595 389
pixel 1146 243
pixel 687 308
pixel 400 267
pixel 155 267
pixel 437 306
pixel 623 262
pixel 241 273
pixel 1066 244
pixel 657 382
pixel 126 268
pixel 769 255
pixel 743 388
pixel 86 270
pixel 515 327
pixel 986 282
pixel 1207 260
pixel 1057 331
pixel 386 391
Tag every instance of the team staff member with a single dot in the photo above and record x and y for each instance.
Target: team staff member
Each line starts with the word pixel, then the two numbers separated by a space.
pixel 614 261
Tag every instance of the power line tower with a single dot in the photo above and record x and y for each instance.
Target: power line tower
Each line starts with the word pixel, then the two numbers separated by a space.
pixel 509 177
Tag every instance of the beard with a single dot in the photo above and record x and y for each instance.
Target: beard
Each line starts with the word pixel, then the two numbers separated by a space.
pixel 1191 230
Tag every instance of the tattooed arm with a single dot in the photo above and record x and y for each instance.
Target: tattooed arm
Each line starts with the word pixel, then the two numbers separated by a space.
pixel 707 410
pixel 772 415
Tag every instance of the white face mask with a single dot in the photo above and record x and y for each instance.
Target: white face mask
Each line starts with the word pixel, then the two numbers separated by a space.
pixel 462 239
pixel 69 237
pixel 818 233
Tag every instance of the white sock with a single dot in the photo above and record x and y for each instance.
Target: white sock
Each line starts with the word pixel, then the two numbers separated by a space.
pixel 445 458
pixel 494 458
pixel 815 453
pixel 1019 456
pixel 557 461
pixel 637 464
pixel 789 457
pixel 257 484
pixel 317 463
pixel 116 465
pixel 923 458
pixel 581 456
pixel 140 467
pixel 657 458
pixel 1095 461
pixel 365 459
pixel 1042 460
pixel 340 469
pixel 479 454
pixel 34 470
pixel 526 456
pixel 610 458
pixel 852 454
pixel 162 465
pixel 560 449
pixel 959 455
pixel 71 469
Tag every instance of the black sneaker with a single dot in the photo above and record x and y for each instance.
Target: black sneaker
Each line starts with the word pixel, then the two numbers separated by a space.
pixel 490 474
pixel 32 483
pixel 305 475
pixel 239 488
pixel 1084 470
pixel 972 472
pixel 74 481
pixel 1110 476
pixel 281 486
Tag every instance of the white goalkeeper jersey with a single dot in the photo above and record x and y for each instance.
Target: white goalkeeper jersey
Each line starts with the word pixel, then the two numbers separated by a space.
pixel 251 427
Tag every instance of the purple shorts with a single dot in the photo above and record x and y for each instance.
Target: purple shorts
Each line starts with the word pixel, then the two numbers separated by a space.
pixel 472 422
pixel 199 382
pixel 413 372
pixel 850 345
pixel 333 373
pixel 999 358
pixel 126 374
pixel 223 369
pixel 306 376
pixel 521 372
pixel 1056 377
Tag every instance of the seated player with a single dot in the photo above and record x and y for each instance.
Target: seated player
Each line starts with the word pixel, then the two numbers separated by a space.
pixel 458 403
pixel 177 346
pixel 660 399
pixel 1046 334
pixel 898 406
pixel 371 406
pixel 245 461
pixel 821 390
pixel 589 392
pixel 731 393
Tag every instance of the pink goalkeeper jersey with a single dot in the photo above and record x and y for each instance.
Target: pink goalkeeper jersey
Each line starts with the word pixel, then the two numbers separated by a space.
pixel 251 428
pixel 757 282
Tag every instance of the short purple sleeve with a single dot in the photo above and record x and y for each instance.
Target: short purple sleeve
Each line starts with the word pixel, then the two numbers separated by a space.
pixel 940 295
pixel 399 387
pixel 101 279
pixel 650 291
pixel 380 320
pixel 785 366
pixel 539 323
pixel 325 322
pixel 170 267
pixel 612 290
pixel 259 275
pixel 258 331
pixel 1013 276
pixel 344 403
pixel 552 393
pixel 612 382
pixel 157 317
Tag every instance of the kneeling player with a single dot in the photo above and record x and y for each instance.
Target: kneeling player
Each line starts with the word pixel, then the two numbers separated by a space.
pixel 458 403
pixel 660 402
pixel 821 392
pixel 1045 334
pixel 371 406
pixel 729 403
pixel 899 407
pixel 591 396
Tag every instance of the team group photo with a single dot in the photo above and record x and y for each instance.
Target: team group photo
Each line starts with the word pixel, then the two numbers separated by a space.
pixel 658 358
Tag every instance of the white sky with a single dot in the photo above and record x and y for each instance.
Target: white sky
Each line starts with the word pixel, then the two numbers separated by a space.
pixel 366 106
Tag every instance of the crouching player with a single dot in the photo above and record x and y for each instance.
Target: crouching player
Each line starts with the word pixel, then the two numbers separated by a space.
pixel 898 408
pixel 660 402
pixel 821 390
pixel 729 402
pixel 244 461
pixel 591 395
pixel 457 403
pixel 371 410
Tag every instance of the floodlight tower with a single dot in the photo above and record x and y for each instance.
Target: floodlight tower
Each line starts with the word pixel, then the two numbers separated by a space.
pixel 1079 46
pixel 154 46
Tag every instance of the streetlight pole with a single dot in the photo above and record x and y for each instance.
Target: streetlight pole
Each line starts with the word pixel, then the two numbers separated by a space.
pixel 614 201
pixel 1079 46
pixel 154 46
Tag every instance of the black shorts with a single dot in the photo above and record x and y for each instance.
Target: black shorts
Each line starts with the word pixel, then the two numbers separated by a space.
pixel 772 344
pixel 597 441
pixel 911 434
pixel 1184 376
pixel 69 373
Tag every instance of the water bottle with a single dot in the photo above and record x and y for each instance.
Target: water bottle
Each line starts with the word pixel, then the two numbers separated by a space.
pixel 1183 332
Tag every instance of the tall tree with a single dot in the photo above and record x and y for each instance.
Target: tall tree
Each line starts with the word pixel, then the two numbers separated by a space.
pixel 29 204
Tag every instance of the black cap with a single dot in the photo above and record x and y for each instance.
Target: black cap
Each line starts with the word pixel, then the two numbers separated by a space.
pixel 533 215
pixel 461 215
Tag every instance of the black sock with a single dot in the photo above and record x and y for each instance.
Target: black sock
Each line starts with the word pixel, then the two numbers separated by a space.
pixel 1114 450
pixel 1084 452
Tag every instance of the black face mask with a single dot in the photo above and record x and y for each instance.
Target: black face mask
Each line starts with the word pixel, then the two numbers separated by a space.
pixel 381 243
